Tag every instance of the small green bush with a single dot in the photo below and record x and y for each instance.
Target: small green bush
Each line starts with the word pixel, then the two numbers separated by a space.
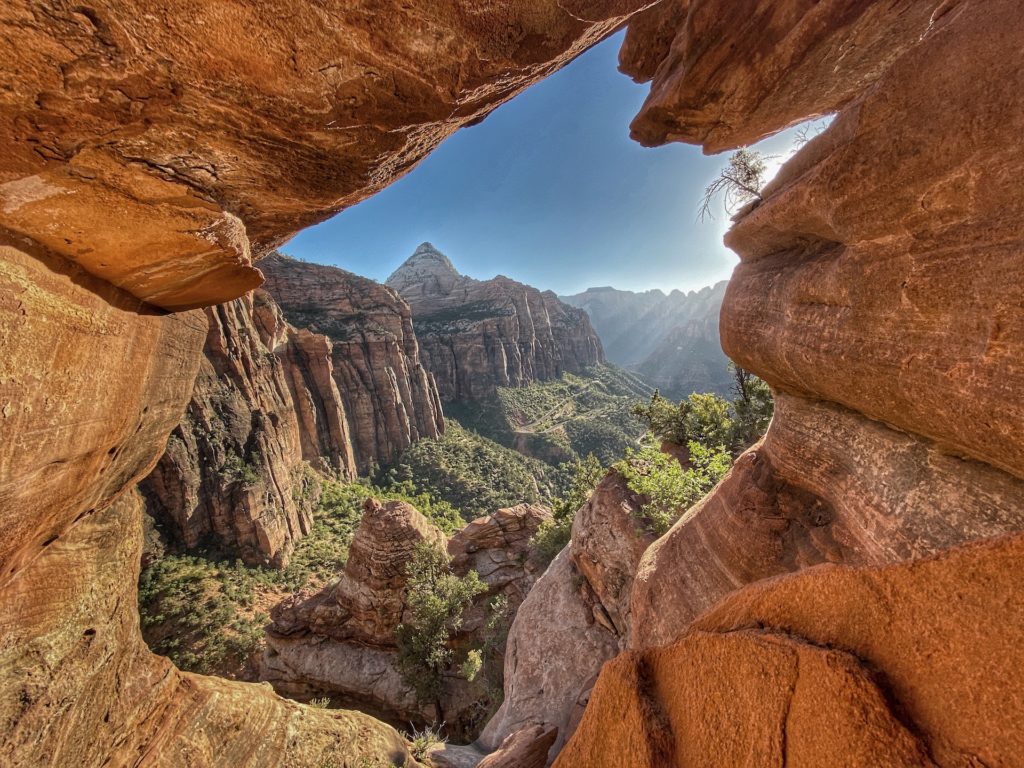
pixel 669 489
pixel 435 599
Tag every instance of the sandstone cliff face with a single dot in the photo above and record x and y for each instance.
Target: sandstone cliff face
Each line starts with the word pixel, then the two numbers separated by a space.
pixel 878 275
pixel 341 640
pixel 264 405
pixel 79 686
pixel 388 396
pixel 873 296
pixel 893 666
pixel 148 154
pixel 478 335
pixel 671 340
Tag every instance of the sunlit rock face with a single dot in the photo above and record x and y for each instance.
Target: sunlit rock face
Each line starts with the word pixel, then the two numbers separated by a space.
pixel 389 397
pixel 874 295
pixel 150 152
pixel 264 408
pixel 478 335
pixel 900 665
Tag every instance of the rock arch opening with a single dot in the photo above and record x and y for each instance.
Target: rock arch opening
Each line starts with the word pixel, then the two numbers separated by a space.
pixel 147 168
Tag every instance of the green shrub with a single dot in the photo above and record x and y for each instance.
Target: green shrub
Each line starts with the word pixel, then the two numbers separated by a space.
pixel 435 599
pixel 710 420
pixel 474 475
pixel 668 489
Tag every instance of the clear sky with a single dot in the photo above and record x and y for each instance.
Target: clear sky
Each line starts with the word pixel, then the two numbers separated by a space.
pixel 548 190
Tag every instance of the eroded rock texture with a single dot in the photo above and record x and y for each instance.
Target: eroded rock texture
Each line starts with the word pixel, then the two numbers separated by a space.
pixel 389 397
pixel 265 406
pixel 342 640
pixel 575 618
pixel 478 335
pixel 154 148
pixel 896 666
pixel 873 295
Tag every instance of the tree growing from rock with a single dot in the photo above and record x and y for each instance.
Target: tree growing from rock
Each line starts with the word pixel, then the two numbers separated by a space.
pixel 739 183
pixel 435 598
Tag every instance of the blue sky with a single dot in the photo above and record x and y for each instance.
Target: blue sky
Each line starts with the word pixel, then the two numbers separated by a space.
pixel 548 190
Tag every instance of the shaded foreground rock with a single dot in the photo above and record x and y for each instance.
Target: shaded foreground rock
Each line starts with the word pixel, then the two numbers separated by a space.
pixel 341 641
pixel 575 618
pixel 478 335
pixel 85 690
pixel 900 665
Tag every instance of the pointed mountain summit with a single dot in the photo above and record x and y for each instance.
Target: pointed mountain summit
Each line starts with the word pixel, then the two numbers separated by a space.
pixel 426 272
pixel 478 335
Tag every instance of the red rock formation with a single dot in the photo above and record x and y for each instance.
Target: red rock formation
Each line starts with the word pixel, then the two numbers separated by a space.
pixel 264 404
pixel 79 686
pixel 478 335
pixel 342 639
pixel 874 296
pixel 155 150
pixel 166 142
pixel 389 397
pixel 576 617
pixel 901 665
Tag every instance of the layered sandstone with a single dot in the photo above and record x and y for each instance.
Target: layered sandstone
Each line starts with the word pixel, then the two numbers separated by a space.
pixel 264 407
pixel 896 666
pixel 342 640
pixel 172 149
pixel 79 686
pixel 873 295
pixel 478 335
pixel 148 154
pixel 389 397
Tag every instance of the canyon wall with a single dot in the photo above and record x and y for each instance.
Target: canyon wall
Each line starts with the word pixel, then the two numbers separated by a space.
pixel 343 640
pixel 150 152
pixel 876 295
pixel 478 335
pixel 390 398
pixel 264 408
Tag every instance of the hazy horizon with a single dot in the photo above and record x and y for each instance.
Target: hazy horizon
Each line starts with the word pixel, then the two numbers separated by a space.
pixel 549 190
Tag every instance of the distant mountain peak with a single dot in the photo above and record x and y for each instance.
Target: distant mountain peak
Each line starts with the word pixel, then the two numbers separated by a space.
pixel 425 262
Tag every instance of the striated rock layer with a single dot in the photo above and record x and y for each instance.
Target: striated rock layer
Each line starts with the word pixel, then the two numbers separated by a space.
pixel 875 295
pixel 171 148
pixel 894 666
pixel 149 153
pixel 264 404
pixel 78 687
pixel 389 397
pixel 478 335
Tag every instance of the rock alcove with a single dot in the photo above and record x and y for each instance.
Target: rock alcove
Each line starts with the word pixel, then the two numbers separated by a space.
pixel 152 156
